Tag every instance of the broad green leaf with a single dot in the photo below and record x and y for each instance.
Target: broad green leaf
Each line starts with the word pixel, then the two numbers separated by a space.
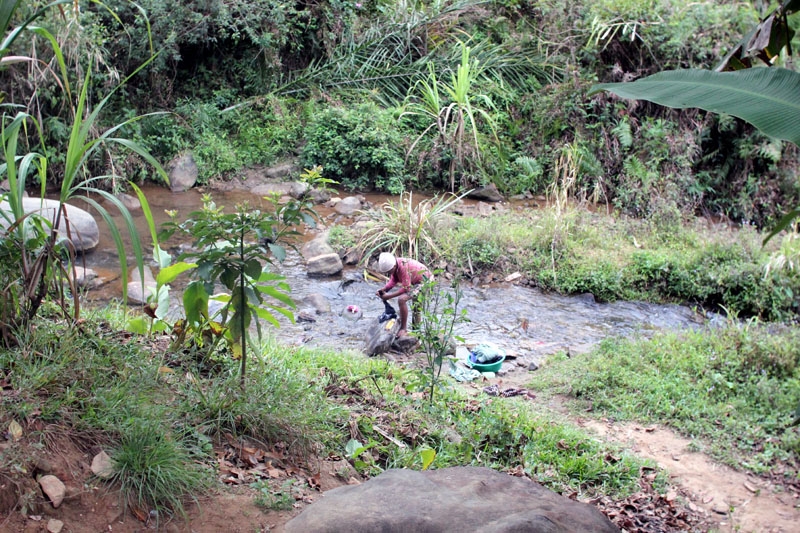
pixel 239 323
pixel 168 274
pixel 285 312
pixel 272 291
pixel 269 276
pixel 353 448
pixel 768 98
pixel 278 251
pixel 252 297
pixel 160 326
pixel 428 455
pixel 266 315
pixel 253 268
pixel 137 325
pixel 195 302
pixel 162 297
pixel 162 258
pixel 228 278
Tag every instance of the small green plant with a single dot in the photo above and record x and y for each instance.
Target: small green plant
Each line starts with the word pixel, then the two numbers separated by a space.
pixel 342 238
pixel 157 308
pixel 314 178
pixel 280 499
pixel 230 250
pixel 359 457
pixel 439 316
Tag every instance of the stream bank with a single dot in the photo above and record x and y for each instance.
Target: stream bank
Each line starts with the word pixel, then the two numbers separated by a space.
pixel 528 323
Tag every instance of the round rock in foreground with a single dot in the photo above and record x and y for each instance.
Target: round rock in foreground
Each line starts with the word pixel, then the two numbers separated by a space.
pixel 451 499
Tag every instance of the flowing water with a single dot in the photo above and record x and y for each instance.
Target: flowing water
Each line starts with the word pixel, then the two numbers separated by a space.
pixel 526 322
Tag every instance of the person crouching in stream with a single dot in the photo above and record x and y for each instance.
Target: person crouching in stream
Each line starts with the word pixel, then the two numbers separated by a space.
pixel 406 275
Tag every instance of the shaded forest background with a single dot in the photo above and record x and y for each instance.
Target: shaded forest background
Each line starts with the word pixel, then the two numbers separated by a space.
pixel 347 86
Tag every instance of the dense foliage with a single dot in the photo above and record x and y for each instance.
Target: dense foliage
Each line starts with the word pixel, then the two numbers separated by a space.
pixel 254 81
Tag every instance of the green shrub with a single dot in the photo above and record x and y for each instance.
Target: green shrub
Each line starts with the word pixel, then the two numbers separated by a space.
pixel 361 148
pixel 215 156
pixel 481 253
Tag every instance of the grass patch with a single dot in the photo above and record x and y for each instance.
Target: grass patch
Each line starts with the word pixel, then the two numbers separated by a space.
pixel 155 470
pixel 735 389
pixel 158 423
pixel 342 237
pixel 507 434
pixel 616 258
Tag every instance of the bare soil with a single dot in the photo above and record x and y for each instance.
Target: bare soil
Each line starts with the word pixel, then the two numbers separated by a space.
pixel 89 507
pixel 730 500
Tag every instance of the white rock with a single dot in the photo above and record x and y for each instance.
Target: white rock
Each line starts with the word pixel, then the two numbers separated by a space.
pixel 83 230
pixel 53 488
pixel 138 292
pixel 102 466
pixel 55 526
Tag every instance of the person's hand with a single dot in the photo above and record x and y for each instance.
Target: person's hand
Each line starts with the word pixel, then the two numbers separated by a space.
pixel 380 294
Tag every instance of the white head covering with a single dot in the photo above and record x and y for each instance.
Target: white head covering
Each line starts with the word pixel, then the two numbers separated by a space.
pixel 386 262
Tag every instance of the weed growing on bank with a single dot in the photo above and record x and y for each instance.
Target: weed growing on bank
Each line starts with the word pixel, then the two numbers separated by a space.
pixel 734 389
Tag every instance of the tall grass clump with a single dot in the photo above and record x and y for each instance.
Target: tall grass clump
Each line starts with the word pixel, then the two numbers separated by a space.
pixel 407 227
pixel 281 404
pixel 154 470
pixel 735 389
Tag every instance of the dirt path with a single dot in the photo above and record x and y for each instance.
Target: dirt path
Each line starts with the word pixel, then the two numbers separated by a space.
pixel 731 500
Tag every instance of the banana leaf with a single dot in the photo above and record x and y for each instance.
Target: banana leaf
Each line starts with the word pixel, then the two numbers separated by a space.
pixel 767 98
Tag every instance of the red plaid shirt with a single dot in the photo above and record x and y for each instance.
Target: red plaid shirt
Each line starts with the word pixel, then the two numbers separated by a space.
pixel 408 272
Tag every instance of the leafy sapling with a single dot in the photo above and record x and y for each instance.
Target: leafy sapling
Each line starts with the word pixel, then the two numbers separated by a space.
pixel 235 250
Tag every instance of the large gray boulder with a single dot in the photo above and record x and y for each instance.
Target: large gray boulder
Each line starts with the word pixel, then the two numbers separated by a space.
pixel 78 225
pixel 488 193
pixel 183 173
pixel 141 288
pixel 348 206
pixel 454 500
pixel 282 170
pixel 316 246
pixel 324 265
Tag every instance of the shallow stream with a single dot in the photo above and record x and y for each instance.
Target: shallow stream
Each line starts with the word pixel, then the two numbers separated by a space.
pixel 526 322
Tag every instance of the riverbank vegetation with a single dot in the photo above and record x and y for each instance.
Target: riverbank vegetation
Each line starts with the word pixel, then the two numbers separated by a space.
pixel 398 97
pixel 161 415
pixel 165 418
pixel 570 249
pixel 404 96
